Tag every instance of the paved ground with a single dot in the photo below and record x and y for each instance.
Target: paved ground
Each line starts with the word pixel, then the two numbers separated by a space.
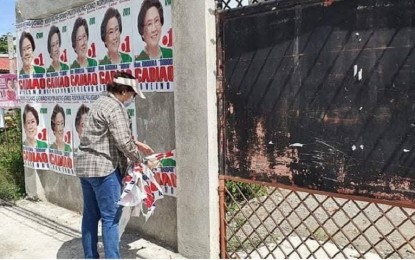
pixel 42 230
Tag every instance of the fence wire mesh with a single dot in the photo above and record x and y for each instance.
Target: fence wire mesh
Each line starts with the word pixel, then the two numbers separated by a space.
pixel 261 221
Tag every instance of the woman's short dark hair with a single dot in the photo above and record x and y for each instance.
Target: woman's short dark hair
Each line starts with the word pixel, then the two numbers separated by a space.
pixel 78 23
pixel 28 108
pixel 81 111
pixel 29 37
pixel 116 88
pixel 110 13
pixel 57 109
pixel 53 29
pixel 147 4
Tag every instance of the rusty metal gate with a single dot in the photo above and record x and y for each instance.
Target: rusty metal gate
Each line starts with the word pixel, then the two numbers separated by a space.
pixel 317 128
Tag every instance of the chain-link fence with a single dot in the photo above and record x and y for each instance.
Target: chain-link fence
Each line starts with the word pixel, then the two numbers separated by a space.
pixel 260 221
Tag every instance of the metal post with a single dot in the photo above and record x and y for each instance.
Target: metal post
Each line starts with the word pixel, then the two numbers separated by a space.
pixel 5 132
pixel 12 66
pixel 12 70
pixel 222 216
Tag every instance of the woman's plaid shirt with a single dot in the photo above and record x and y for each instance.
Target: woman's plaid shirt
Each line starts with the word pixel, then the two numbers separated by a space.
pixel 106 141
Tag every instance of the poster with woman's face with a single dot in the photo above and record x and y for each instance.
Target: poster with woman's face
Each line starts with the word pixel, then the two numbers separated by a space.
pixel 35 136
pixel 57 43
pixel 31 49
pixel 83 31
pixel 79 50
pixel 5 84
pixel 60 138
pixel 80 113
pixel 153 45
pixel 115 22
pixel 9 91
pixel 152 29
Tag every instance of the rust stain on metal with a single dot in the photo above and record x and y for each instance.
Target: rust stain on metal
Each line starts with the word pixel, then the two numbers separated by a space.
pixel 271 163
pixel 353 132
pixel 327 3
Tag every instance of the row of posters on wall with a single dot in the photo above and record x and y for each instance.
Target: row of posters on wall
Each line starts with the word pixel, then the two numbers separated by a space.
pixel 65 62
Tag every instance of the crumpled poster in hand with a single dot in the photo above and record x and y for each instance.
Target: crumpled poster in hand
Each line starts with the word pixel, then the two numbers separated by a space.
pixel 141 189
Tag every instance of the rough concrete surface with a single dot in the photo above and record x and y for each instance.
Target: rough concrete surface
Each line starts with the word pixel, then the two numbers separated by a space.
pixel 40 229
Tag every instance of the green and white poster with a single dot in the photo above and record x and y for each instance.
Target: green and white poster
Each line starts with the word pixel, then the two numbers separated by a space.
pixel 65 62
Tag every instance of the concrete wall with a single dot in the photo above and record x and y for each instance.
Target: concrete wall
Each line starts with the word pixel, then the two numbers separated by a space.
pixel 33 9
pixel 155 124
pixel 184 120
pixel 196 128
pixel 60 189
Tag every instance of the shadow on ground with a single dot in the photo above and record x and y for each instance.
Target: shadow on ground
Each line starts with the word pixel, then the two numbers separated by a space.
pixel 72 249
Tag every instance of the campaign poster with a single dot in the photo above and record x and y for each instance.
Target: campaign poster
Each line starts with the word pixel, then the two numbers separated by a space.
pixel 31 57
pixel 66 60
pixel 79 114
pixel 58 45
pixel 9 90
pixel 165 175
pixel 35 136
pixel 60 138
pixel 114 45
pixel 84 36
pixel 152 45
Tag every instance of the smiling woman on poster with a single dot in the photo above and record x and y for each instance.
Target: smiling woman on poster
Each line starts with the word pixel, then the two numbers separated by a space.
pixel 57 122
pixel 54 44
pixel 10 93
pixel 111 29
pixel 30 124
pixel 79 37
pixel 27 47
pixel 80 120
pixel 149 22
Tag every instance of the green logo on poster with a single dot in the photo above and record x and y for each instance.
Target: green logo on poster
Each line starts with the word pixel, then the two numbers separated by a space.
pixel 126 12
pixel 91 20
pixel 68 111
pixel 167 2
pixel 39 35
pixel 130 112
pixel 64 28
pixel 43 110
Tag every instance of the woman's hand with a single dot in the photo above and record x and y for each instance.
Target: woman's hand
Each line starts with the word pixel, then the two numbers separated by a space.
pixel 145 149
pixel 152 164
